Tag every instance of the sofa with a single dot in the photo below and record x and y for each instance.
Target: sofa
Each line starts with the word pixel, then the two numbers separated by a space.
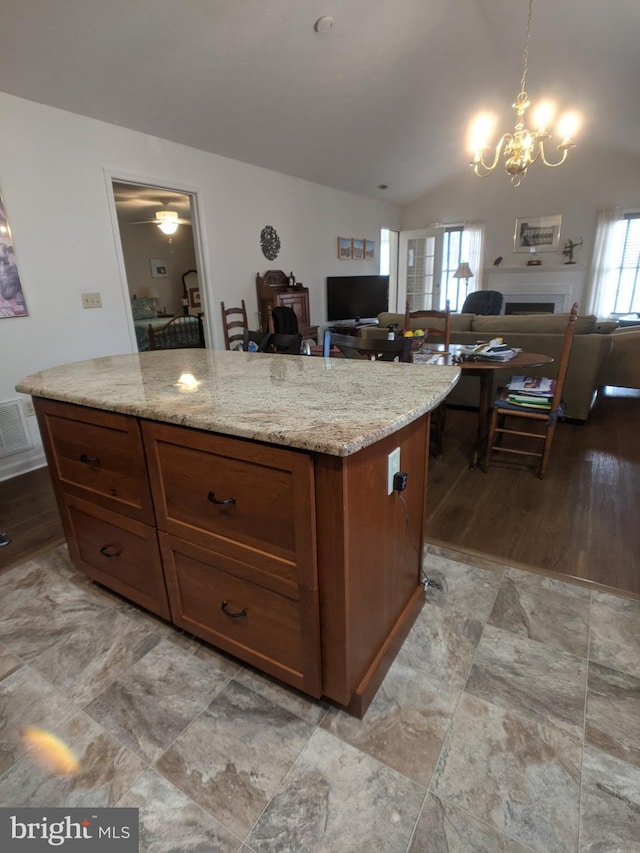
pixel 602 354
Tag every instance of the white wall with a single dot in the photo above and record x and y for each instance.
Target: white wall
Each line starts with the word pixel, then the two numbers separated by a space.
pixel 53 176
pixel 586 182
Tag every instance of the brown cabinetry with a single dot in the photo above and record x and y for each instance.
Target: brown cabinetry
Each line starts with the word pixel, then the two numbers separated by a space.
pixel 238 543
pixel 97 465
pixel 299 563
pixel 273 291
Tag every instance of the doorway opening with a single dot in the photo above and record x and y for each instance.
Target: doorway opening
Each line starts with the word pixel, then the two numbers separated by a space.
pixel 159 254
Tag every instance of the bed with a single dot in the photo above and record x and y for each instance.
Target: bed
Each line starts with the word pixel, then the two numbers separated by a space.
pixel 144 316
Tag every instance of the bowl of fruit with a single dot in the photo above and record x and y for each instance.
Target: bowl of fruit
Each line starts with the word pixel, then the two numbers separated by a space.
pixel 417 336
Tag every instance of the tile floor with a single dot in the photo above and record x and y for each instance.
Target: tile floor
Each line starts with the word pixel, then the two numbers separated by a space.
pixel 510 721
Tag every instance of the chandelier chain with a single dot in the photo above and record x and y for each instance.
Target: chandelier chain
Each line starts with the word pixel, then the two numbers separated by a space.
pixel 525 55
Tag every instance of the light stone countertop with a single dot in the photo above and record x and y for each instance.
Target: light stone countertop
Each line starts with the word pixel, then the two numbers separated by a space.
pixel 335 405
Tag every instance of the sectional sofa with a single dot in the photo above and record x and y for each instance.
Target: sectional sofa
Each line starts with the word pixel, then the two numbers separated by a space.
pixel 601 353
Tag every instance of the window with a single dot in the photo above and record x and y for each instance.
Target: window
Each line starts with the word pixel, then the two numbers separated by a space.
pixel 623 287
pixel 452 289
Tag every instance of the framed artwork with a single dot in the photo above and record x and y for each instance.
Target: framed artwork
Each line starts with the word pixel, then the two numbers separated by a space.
pixel 357 249
pixel 194 297
pixel 541 233
pixel 159 268
pixel 344 248
pixel 12 303
pixel 369 250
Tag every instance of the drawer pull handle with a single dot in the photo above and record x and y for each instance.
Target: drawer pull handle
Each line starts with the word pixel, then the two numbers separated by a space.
pixel 214 500
pixel 89 460
pixel 226 612
pixel 110 554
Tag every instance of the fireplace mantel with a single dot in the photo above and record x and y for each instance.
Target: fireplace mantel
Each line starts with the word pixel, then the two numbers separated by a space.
pixel 562 285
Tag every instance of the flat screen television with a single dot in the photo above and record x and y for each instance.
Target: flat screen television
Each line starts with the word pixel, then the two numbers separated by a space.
pixel 356 297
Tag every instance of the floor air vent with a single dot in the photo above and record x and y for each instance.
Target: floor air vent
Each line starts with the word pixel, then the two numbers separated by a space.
pixel 14 433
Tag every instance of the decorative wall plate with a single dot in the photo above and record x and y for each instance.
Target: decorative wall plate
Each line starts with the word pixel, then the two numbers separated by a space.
pixel 269 242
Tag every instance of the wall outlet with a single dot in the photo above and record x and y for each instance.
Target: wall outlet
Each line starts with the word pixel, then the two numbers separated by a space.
pixel 91 300
pixel 393 466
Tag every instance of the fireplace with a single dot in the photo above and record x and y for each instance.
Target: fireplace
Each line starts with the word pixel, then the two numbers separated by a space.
pixel 521 307
pixel 537 290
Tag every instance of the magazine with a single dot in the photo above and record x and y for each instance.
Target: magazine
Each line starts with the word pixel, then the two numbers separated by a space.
pixel 534 386
pixel 529 400
pixel 488 352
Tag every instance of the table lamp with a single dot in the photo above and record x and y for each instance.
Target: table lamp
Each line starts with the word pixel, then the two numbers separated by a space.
pixel 464 272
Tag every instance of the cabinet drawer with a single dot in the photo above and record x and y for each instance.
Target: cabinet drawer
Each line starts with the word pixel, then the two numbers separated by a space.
pixel 118 552
pixel 247 500
pixel 279 635
pixel 97 456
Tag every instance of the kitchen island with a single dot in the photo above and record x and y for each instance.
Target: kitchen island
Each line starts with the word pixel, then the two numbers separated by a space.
pixel 244 497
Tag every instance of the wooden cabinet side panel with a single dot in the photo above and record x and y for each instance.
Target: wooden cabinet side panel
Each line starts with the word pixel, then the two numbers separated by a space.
pixel 370 559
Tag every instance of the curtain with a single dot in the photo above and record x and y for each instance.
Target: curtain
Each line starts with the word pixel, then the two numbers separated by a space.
pixel 473 250
pixel 597 300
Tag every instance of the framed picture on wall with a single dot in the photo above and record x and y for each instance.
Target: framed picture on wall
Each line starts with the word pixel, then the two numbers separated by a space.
pixel 344 248
pixel 369 250
pixel 194 297
pixel 12 303
pixel 541 233
pixel 357 249
pixel 159 268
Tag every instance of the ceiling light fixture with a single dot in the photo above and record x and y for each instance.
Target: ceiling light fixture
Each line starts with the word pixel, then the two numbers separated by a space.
pixel 167 221
pixel 522 147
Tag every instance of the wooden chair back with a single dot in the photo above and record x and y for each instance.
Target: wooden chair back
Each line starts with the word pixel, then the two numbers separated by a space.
pixel 563 363
pixel 443 332
pixel 234 321
pixel 184 332
pixel 361 347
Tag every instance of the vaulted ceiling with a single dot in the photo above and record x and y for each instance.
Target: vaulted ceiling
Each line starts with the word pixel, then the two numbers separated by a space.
pixel 384 97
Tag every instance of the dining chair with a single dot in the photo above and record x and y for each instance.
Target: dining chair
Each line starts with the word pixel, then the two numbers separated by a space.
pixel 234 321
pixel 183 332
pixel 260 339
pixel 543 423
pixel 442 332
pixel 272 342
pixel 362 347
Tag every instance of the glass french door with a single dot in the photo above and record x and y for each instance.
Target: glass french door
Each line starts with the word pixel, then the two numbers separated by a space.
pixel 419 269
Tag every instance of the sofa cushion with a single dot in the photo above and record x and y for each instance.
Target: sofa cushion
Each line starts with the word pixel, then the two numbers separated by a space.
pixel 553 324
pixel 459 322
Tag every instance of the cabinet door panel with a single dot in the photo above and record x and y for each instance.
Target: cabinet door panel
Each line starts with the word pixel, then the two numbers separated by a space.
pixel 241 498
pixel 267 630
pixel 118 552
pixel 97 456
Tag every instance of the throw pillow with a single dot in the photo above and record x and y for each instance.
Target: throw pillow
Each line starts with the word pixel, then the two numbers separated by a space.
pixel 142 309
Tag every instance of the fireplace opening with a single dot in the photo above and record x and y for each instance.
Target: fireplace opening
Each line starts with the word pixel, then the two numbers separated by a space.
pixel 529 308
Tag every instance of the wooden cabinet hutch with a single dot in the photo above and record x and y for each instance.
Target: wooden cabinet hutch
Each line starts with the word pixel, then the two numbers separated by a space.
pixel 273 291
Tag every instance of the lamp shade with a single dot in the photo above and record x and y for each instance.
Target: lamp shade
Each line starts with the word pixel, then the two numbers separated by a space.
pixel 152 292
pixel 463 271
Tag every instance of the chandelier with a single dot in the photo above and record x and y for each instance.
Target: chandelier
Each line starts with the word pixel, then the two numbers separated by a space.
pixel 522 147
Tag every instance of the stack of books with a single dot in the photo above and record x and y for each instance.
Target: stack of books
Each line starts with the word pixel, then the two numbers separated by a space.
pixel 532 391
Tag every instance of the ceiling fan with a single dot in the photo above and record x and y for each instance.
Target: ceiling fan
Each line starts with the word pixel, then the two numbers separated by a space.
pixel 166 219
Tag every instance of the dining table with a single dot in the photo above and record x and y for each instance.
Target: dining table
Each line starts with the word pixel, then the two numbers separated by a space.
pixel 484 370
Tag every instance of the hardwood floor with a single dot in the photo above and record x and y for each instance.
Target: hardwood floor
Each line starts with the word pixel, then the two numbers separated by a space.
pixel 581 520
pixel 29 516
